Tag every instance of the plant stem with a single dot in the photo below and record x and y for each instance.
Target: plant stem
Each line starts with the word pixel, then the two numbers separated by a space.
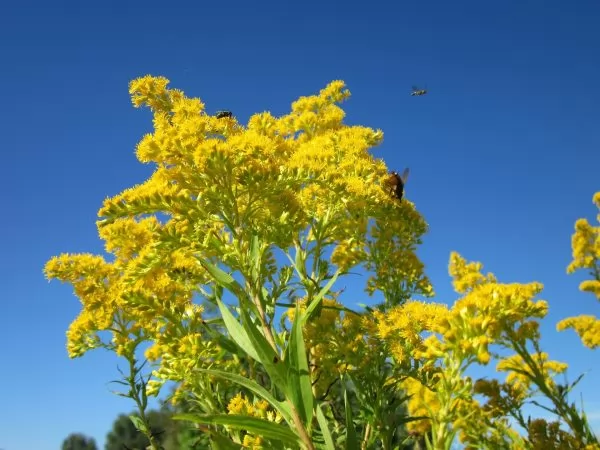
pixel 136 397
pixel 367 436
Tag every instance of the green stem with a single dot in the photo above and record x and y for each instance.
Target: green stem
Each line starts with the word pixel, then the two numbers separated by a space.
pixel 569 414
pixel 300 428
pixel 367 437
pixel 135 394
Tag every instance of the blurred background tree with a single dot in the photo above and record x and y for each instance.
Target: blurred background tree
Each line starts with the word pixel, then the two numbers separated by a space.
pixel 78 441
pixel 124 433
pixel 172 435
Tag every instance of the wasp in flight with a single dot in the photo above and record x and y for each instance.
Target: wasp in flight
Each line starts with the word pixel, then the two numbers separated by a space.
pixel 396 183
pixel 224 114
pixel 416 91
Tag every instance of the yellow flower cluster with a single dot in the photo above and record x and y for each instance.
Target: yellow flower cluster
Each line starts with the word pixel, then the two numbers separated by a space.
pixel 490 311
pixel 502 398
pixel 586 326
pixel 98 286
pixel 444 342
pixel 543 434
pixel 480 427
pixel 233 195
pixel 586 244
pixel 241 405
pixel 586 255
pixel 483 316
pixel 304 181
pixel 520 375
pixel 403 327
pixel 275 177
pixel 137 301
pixel 332 353
pixel 466 276
pixel 422 403
pixel 397 281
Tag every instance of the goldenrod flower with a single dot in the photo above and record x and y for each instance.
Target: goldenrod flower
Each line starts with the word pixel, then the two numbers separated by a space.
pixel 587 327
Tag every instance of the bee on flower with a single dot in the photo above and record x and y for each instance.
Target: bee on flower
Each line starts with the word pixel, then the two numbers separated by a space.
pixel 224 115
pixel 396 183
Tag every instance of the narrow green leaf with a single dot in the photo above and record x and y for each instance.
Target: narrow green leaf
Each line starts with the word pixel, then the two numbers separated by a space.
pixel 119 382
pixel 144 396
pixel 226 344
pixel 139 424
pixel 220 276
pixel 236 331
pixel 351 439
pixel 363 399
pixel 265 293
pixel 428 443
pixel 366 307
pixel 266 354
pixel 121 394
pixel 316 301
pixel 324 429
pixel 253 386
pixel 255 255
pixel 299 263
pixel 254 425
pixel 281 338
pixel 220 442
pixel 574 383
pixel 408 419
pixel 223 279
pixel 299 377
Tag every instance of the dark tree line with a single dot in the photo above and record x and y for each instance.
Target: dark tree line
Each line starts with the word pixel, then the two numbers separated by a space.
pixel 78 441
pixel 172 435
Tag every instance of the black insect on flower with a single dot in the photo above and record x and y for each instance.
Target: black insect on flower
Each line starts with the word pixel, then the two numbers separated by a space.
pixel 396 183
pixel 224 114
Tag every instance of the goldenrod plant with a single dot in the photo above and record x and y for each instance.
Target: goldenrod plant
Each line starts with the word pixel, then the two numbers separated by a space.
pixel 586 255
pixel 262 222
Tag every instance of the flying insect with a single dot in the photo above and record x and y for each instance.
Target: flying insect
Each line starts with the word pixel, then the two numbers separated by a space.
pixel 416 91
pixel 224 114
pixel 396 183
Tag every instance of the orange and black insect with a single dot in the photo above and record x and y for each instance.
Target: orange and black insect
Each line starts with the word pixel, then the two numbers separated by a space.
pixel 396 183
pixel 224 114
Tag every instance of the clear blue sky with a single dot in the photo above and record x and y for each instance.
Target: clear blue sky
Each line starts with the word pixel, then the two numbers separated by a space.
pixel 504 150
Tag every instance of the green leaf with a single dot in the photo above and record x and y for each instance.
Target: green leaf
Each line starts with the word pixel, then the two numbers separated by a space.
pixel 351 439
pixel 253 386
pixel 121 394
pixel 267 355
pixel 139 424
pixel 265 293
pixel 298 375
pixel 144 396
pixel 299 263
pixel 236 331
pixel 224 279
pixel 255 256
pixel 408 419
pixel 254 425
pixel 316 301
pixel 223 443
pixel 226 343
pixel 366 307
pixel 363 399
pixel 324 429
